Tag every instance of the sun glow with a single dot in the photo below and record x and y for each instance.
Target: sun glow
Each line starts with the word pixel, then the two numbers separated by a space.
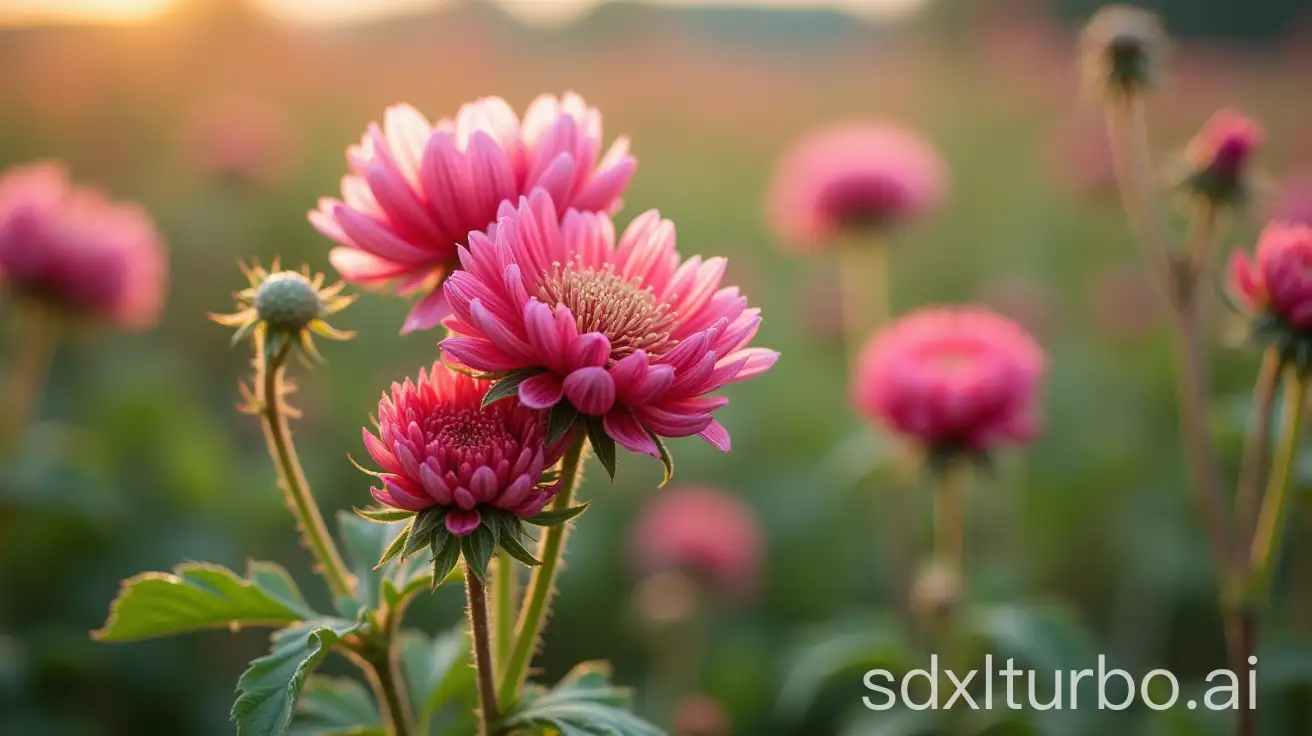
pixel 22 12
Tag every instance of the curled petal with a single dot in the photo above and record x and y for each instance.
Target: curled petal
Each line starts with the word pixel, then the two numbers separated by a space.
pixel 461 522
pixel 590 390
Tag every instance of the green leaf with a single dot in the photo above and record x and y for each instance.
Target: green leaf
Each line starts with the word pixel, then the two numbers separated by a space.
pixel 511 544
pixel 198 596
pixel 552 517
pixel 667 460
pixel 560 421
pixel 270 687
pixel 384 515
pixel 843 651
pixel 509 385
pixel 479 547
pixel 336 706
pixel 603 446
pixel 584 702
pixel 445 558
pixel 427 524
pixel 396 546
pixel 440 681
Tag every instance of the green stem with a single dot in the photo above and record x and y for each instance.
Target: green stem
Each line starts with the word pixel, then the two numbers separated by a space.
pixel 291 478
pixel 505 594
pixel 479 627
pixel 1271 523
pixel 863 286
pixel 1257 446
pixel 950 516
pixel 542 583
pixel 36 333
pixel 377 656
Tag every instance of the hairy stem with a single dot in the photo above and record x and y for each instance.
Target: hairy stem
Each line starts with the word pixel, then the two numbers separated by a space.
pixel 863 286
pixel 480 631
pixel 542 583
pixel 377 656
pixel 36 332
pixel 291 478
pixel 1257 445
pixel 1272 520
pixel 505 595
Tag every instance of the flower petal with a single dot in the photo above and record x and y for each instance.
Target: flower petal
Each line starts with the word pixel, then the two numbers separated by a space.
pixel 542 391
pixel 590 390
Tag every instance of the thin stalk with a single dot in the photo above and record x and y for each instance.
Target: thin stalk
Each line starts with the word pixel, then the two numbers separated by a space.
pixel 480 631
pixel 505 596
pixel 1272 520
pixel 863 286
pixel 950 516
pixel 36 333
pixel 542 583
pixel 377 657
pixel 1257 445
pixel 291 478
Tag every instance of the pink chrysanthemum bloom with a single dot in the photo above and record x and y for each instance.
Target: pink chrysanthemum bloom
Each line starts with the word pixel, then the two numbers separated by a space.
pixel 956 378
pixel 702 531
pixel 416 190
pixel 1220 155
pixel 441 449
pixel 624 333
pixel 850 177
pixel 1275 289
pixel 76 250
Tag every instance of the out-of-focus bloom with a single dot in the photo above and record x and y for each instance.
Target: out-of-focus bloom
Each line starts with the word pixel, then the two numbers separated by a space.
pixel 1122 48
pixel 283 309
pixel 79 252
pixel 956 378
pixel 1275 291
pixel 416 189
pixel 241 139
pixel 705 532
pixel 1219 158
pixel 441 448
pixel 1294 202
pixel 701 715
pixel 851 177
pixel 626 333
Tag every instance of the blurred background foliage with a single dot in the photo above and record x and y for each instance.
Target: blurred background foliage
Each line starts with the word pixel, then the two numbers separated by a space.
pixel 139 460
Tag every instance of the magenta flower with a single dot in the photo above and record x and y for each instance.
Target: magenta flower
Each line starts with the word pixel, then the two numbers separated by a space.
pixel 702 531
pixel 441 449
pixel 78 251
pixel 416 190
pixel 954 378
pixel 1277 283
pixel 851 177
pixel 1219 157
pixel 625 333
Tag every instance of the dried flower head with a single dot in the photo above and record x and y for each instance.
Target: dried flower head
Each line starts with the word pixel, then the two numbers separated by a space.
pixel 417 189
pixel 1219 158
pixel 282 310
pixel 76 251
pixel 959 379
pixel 465 475
pixel 1122 48
pixel 1275 292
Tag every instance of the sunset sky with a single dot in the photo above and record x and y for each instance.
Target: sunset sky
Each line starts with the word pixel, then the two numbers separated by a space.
pixel 345 11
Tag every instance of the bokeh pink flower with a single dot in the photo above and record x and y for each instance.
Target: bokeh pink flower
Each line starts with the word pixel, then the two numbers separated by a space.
pixel 1276 281
pixel 1220 155
pixel 703 532
pixel 852 176
pixel 623 329
pixel 77 251
pixel 246 140
pixel 417 189
pixel 955 378
pixel 439 447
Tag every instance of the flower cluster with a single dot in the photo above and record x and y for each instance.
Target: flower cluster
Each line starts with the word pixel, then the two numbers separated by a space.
pixel 417 189
pixel 78 252
pixel 957 379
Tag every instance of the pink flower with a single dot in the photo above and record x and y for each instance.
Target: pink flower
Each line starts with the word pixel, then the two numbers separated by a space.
pixel 852 176
pixel 245 140
pixel 416 190
pixel 1278 281
pixel 700 715
pixel 953 377
pixel 627 332
pixel 702 531
pixel 77 250
pixel 439 447
pixel 1219 156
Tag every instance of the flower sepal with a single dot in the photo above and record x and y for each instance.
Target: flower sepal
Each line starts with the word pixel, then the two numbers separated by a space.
pixel 496 528
pixel 1292 344
pixel 942 457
